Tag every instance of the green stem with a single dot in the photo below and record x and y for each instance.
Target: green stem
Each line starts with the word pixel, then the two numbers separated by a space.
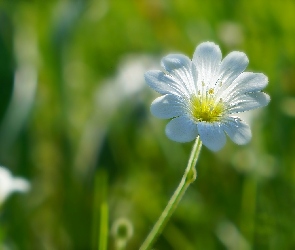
pixel 189 176
pixel 103 227
pixel 100 211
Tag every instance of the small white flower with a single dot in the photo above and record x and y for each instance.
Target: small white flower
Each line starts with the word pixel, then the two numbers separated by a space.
pixel 202 95
pixel 10 184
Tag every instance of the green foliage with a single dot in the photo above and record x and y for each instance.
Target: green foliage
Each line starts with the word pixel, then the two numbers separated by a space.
pixel 82 109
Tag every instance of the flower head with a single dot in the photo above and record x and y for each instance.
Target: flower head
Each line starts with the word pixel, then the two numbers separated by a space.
pixel 10 184
pixel 203 95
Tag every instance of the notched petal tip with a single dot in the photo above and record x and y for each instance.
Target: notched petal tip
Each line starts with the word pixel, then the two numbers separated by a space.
pixel 267 99
pixel 237 130
pixel 176 64
pixel 212 135
pixel 147 75
pixel 153 80
pixel 150 75
pixel 241 55
pixel 181 129
pixel 263 78
pixel 262 98
pixel 253 81
pixel 207 48
pixel 168 106
pixel 174 61
pixel 206 59
pixel 235 60
pixel 161 83
pixel 208 45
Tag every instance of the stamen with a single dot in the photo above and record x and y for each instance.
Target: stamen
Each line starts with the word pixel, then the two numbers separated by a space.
pixel 211 91
pixel 204 108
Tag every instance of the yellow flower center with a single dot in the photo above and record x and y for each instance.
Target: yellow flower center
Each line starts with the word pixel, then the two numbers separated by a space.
pixel 204 108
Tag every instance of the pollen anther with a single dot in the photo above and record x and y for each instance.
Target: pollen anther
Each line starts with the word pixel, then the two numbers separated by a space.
pixel 211 91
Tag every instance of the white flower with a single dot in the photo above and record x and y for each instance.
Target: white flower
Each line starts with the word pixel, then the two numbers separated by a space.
pixel 202 95
pixel 10 184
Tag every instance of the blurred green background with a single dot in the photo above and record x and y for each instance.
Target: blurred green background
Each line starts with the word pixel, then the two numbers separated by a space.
pixel 75 122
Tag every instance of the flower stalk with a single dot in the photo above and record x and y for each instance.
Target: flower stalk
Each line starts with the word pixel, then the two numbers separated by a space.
pixel 189 176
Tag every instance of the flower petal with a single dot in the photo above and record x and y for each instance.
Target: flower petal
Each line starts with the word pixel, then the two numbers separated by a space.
pixel 248 101
pixel 244 83
pixel 181 129
pixel 180 67
pixel 231 67
pixel 168 106
pixel 163 84
pixel 238 131
pixel 250 82
pixel 212 135
pixel 207 58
